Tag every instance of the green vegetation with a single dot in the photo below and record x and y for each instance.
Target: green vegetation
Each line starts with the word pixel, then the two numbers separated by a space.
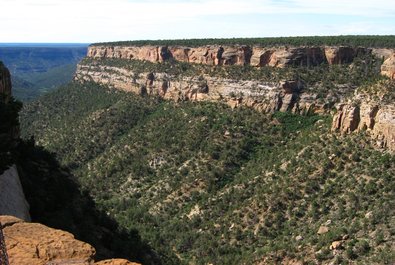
pixel 203 183
pixel 348 40
pixel 56 199
pixel 41 82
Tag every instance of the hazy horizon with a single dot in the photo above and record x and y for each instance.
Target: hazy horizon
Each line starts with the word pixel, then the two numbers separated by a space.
pixel 78 44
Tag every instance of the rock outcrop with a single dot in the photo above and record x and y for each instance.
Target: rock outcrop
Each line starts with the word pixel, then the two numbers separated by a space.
pixel 343 54
pixel 12 198
pixel 262 96
pixel 388 67
pixel 5 81
pixel 37 244
pixel 256 56
pixel 362 113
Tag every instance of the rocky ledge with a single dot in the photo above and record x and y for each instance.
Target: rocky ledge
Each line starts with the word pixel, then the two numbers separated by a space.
pixel 37 244
pixel 262 96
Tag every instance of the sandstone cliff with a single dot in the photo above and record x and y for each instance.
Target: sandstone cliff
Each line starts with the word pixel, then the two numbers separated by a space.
pixel 374 114
pixel 262 96
pixel 12 198
pixel 238 55
pixel 37 244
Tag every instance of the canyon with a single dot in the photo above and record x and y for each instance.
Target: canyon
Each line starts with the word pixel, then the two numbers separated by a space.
pixel 234 155
pixel 271 155
pixel 267 97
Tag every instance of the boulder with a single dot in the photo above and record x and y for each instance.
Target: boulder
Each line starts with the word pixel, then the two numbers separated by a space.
pixel 37 244
pixel 115 262
pixel 336 245
pixel 323 230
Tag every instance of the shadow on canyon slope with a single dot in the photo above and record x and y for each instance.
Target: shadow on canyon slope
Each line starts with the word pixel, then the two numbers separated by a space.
pixel 56 200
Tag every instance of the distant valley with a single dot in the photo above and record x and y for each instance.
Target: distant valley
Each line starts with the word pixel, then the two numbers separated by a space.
pixel 37 68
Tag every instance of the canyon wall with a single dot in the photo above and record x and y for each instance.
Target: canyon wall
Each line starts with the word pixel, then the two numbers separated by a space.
pixel 370 110
pixel 377 119
pixel 239 55
pixel 262 96
pixel 289 95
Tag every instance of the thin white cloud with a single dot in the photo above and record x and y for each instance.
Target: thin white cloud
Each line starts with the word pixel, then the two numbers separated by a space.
pixel 92 20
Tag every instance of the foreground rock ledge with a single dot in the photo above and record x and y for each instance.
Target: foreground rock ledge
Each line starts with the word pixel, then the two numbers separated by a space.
pixel 37 244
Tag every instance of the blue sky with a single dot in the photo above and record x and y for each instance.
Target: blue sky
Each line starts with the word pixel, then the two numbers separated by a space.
pixel 111 20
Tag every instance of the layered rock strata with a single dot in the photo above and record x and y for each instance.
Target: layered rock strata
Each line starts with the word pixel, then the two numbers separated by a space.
pixel 266 97
pixel 239 55
pixel 262 96
pixel 37 244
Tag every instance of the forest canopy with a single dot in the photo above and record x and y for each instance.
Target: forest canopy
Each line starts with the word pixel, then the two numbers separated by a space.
pixel 377 41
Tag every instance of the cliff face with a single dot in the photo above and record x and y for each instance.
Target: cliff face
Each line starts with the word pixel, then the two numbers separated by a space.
pixel 5 81
pixel 37 244
pixel 376 116
pixel 289 95
pixel 388 67
pixel 12 198
pixel 238 55
pixel 377 120
pixel 262 96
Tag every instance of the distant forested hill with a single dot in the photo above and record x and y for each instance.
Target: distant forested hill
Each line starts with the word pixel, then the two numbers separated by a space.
pixel 37 68
pixel 346 40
